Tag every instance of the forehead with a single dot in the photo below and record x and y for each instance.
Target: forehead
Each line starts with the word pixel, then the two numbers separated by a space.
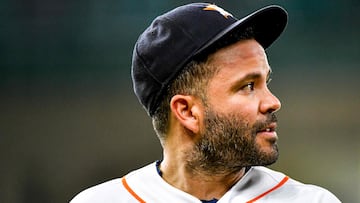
pixel 241 51
pixel 238 61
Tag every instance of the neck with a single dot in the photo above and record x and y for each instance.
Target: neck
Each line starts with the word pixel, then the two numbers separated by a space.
pixel 200 184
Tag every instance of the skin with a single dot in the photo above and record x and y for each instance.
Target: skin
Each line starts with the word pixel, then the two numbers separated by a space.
pixel 238 89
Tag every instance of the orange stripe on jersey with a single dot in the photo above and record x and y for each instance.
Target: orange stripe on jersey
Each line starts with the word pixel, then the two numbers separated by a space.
pixel 127 187
pixel 282 182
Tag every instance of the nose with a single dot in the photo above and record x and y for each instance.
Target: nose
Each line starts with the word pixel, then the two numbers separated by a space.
pixel 269 103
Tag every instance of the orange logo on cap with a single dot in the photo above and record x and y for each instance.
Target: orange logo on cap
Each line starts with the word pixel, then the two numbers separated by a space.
pixel 213 7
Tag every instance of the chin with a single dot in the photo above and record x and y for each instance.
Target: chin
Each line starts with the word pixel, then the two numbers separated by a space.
pixel 268 155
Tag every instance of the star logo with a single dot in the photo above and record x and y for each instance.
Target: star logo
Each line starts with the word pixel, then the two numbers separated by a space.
pixel 213 7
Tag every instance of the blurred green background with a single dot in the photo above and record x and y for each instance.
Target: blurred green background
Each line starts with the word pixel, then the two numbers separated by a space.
pixel 69 118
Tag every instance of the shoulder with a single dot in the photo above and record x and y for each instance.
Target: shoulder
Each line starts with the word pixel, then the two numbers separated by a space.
pixel 110 191
pixel 293 189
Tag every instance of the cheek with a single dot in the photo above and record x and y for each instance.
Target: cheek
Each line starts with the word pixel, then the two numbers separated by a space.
pixel 247 107
pixel 246 110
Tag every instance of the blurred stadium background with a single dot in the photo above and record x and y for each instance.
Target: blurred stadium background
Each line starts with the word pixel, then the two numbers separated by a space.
pixel 69 118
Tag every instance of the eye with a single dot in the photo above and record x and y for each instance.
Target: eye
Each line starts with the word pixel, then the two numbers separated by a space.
pixel 268 80
pixel 249 86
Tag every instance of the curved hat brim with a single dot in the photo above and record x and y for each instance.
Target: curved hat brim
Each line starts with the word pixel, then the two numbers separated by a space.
pixel 266 24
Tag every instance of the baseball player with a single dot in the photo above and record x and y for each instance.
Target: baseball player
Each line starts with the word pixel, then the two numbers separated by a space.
pixel 202 75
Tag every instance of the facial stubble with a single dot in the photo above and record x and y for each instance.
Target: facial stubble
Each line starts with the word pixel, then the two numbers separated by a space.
pixel 228 144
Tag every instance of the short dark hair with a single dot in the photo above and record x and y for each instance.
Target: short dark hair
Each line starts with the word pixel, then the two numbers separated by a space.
pixel 192 80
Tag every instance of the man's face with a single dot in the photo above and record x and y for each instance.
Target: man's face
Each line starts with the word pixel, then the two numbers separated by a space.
pixel 239 120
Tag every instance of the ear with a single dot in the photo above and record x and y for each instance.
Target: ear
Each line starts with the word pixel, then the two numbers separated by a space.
pixel 187 110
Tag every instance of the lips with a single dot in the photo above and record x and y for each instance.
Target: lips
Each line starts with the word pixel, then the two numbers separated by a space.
pixel 268 128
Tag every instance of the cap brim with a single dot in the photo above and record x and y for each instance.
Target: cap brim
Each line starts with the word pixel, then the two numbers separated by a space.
pixel 267 24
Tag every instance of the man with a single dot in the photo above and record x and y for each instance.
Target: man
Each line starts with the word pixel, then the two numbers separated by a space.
pixel 202 76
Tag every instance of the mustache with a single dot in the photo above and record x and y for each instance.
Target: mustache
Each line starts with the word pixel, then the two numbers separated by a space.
pixel 224 121
pixel 270 118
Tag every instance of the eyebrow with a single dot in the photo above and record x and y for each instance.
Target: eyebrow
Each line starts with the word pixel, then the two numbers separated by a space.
pixel 256 75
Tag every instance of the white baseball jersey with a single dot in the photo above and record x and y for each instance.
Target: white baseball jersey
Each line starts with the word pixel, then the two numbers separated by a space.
pixel 259 184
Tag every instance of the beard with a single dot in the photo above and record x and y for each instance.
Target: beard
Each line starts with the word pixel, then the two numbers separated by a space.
pixel 228 144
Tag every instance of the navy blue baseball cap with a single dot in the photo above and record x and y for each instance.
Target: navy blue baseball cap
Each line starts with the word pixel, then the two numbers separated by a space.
pixel 175 38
